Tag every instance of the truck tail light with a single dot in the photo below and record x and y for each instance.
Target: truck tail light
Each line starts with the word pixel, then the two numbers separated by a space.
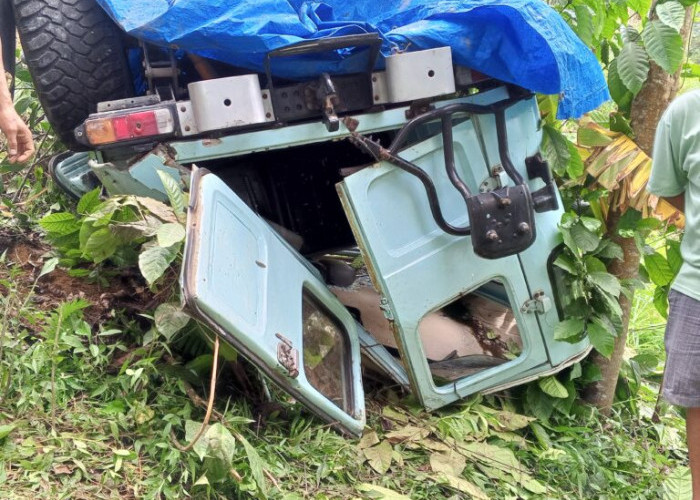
pixel 127 126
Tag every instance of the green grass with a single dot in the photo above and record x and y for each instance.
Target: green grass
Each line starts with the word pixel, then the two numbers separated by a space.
pixel 75 425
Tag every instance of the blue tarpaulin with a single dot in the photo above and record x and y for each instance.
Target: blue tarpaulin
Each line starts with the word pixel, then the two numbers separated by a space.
pixel 524 42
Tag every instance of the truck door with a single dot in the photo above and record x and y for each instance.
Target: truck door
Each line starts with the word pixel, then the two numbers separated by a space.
pixel 422 272
pixel 242 280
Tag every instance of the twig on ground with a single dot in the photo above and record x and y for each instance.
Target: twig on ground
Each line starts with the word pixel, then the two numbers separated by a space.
pixel 210 404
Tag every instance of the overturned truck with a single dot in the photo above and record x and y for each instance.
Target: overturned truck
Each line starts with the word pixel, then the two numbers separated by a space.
pixel 364 183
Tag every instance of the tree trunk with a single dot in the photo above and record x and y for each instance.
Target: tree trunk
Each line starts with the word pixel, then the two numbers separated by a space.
pixel 647 107
pixel 602 393
pixel 656 94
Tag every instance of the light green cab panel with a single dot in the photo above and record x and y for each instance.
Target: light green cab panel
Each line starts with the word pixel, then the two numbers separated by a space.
pixel 260 296
pixel 418 268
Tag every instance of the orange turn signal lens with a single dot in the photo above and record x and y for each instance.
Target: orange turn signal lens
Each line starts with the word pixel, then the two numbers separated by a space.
pixel 129 126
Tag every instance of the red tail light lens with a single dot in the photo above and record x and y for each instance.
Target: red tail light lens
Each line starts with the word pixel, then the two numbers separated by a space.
pixel 129 126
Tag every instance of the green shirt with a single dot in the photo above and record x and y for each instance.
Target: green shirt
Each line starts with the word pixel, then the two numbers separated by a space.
pixel 676 169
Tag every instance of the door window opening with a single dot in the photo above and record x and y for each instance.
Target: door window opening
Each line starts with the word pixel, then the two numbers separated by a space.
pixel 325 354
pixel 470 334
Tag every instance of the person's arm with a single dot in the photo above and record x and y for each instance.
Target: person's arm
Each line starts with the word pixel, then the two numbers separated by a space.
pixel 20 143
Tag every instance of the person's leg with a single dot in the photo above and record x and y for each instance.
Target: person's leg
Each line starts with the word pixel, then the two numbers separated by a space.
pixel 692 422
pixel 681 385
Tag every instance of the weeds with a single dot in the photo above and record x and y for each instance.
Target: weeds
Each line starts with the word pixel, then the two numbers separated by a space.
pixel 88 409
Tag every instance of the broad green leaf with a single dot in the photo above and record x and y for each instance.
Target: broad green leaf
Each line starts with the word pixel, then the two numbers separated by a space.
pixel 532 485
pixel 103 213
pixel 633 66
pixel 576 371
pixel 630 34
pixel 661 300
pixel 590 137
pixel 191 430
pixel 86 229
pixel 575 167
pixel 175 194
pixel 620 123
pixel 591 373
pixel 541 435
pixel 584 239
pixel 379 456
pixel 555 148
pixel 170 319
pixel 48 266
pixel 67 309
pixel 100 245
pixel 605 323
pixel 548 104
pixel 5 430
pixel 629 221
pixel 220 443
pixel 539 404
pixel 649 224
pixel 618 90
pixel 664 45
pixel 584 24
pixel 673 255
pixel 606 282
pixel 170 234
pixel 256 465
pixel 568 239
pixel 601 339
pixel 571 328
pixel 593 264
pixel 641 7
pixel 647 362
pixel 678 485
pixel 690 70
pixel 155 260
pixel 610 303
pixel 385 493
pixel 60 223
pixel 89 201
pixel 658 268
pixel 671 14
pixel 552 387
pixel 566 262
pixel 591 223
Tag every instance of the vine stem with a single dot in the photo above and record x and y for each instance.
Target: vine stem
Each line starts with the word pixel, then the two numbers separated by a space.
pixel 210 403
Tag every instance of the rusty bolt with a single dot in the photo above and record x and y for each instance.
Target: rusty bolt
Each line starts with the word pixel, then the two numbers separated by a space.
pixel 523 228
pixel 491 235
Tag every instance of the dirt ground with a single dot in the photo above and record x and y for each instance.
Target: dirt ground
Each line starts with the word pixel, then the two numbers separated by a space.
pixel 125 290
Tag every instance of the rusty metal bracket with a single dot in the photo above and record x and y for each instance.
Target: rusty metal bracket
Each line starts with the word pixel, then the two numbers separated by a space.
pixel 288 356
pixel 538 304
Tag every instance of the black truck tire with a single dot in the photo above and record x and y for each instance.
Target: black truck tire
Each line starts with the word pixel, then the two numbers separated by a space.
pixel 76 56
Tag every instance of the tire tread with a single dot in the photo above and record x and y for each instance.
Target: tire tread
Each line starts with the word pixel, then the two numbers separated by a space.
pixel 75 54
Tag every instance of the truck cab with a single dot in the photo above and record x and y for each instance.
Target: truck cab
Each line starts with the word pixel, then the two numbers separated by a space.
pixel 401 220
